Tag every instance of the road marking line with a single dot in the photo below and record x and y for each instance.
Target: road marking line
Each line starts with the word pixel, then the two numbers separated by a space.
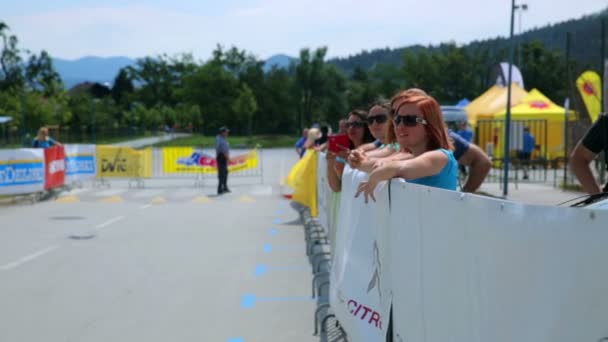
pixel 246 199
pixel 109 222
pixel 158 200
pixel 145 206
pixel 27 258
pixel 201 199
pixel 68 199
pixel 113 199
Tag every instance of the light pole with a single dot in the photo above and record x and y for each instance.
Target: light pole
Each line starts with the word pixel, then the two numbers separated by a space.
pixel 521 8
pixel 508 117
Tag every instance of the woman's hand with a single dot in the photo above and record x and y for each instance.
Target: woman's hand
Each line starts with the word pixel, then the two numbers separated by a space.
pixel 367 188
pixel 385 172
pixel 356 158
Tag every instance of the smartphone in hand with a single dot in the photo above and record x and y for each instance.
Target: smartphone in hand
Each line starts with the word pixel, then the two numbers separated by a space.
pixel 338 143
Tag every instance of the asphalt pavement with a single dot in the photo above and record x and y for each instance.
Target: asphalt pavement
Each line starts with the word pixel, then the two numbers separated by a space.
pixel 169 262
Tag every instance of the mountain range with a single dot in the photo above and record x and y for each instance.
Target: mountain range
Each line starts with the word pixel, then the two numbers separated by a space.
pixel 104 69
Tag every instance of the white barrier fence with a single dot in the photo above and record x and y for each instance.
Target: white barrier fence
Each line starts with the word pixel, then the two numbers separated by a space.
pixel 460 267
pixel 21 171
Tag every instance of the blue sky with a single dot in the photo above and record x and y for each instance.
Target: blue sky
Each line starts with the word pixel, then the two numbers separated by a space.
pixel 72 29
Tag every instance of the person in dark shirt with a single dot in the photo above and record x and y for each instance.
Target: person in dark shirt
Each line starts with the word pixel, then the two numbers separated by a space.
pixel 594 142
pixel 470 155
pixel 222 152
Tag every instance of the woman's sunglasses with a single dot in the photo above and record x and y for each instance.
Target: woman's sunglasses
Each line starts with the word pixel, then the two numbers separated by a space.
pixel 380 119
pixel 408 120
pixel 355 124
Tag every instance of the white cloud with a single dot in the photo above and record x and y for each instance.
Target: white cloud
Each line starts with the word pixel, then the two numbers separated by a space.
pixel 273 26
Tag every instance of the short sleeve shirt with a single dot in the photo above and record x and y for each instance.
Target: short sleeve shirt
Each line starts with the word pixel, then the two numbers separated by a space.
pixel 596 139
pixel 461 146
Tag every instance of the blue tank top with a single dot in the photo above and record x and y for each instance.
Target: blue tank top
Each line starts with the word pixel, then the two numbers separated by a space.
pixel 447 178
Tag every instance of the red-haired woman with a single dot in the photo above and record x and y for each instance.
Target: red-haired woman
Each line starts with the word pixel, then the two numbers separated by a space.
pixel 419 130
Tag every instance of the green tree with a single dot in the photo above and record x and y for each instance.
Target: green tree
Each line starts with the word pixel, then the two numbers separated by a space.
pixel 11 75
pixel 310 80
pixel 245 106
pixel 123 88
pixel 213 89
pixel 40 75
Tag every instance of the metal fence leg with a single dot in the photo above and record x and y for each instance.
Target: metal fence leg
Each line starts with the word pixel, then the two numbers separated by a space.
pixel 317 311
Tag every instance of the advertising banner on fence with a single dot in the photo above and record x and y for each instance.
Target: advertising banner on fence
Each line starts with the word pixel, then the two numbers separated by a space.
pixel 188 160
pixel 478 269
pixel 54 167
pixel 80 162
pixel 115 161
pixel 21 171
pixel 360 283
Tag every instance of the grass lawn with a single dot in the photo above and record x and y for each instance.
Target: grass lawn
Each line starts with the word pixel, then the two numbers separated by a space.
pixel 265 141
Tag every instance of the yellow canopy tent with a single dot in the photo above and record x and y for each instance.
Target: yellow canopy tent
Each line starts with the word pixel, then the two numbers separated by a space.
pixel 492 101
pixel 536 106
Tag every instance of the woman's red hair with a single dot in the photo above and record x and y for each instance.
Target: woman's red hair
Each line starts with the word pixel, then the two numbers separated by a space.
pixel 431 111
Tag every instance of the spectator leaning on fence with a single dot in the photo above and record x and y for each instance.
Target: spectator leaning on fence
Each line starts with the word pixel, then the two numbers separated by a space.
pixel 594 142
pixel 470 155
pixel 419 128
pixel 43 140
pixel 376 121
pixel 465 153
pixel 358 134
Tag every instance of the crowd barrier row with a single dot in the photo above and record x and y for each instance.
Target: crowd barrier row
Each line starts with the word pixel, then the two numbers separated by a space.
pixel 34 170
pixel 438 265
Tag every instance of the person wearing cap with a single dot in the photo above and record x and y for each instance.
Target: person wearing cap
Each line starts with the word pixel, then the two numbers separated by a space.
pixel 222 156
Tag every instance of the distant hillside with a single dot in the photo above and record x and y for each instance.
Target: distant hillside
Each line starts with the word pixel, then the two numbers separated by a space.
pixel 585 44
pixel 104 70
pixel 280 61
pixel 91 69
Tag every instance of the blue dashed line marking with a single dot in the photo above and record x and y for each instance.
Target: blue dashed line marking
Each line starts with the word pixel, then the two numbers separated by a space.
pixel 260 270
pixel 267 248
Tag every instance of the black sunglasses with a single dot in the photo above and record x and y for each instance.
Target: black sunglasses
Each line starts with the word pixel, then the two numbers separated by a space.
pixel 380 119
pixel 355 124
pixel 408 120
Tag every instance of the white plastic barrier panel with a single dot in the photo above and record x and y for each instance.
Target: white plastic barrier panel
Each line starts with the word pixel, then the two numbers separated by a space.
pixel 469 268
pixel 323 193
pixel 21 171
pixel 360 286
pixel 80 162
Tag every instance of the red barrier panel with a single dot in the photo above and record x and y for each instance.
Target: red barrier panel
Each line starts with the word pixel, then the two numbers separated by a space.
pixel 54 167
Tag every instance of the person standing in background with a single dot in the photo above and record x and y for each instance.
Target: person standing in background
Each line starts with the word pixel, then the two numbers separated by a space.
pixel 526 153
pixel 222 156
pixel 43 140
